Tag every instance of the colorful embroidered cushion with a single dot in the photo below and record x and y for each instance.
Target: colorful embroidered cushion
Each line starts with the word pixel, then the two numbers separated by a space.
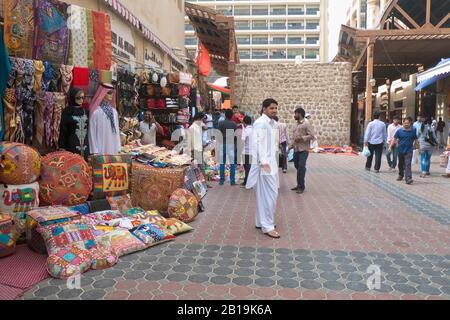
pixel 151 234
pixel 104 217
pixel 176 227
pixel 152 187
pixel 83 209
pixel 65 179
pixel 121 242
pixel 19 220
pixel 63 235
pixel 102 259
pixel 19 198
pixel 183 205
pixel 137 213
pixel 19 164
pixel 111 175
pixel 68 261
pixel 121 203
pixel 50 215
pixel 98 205
pixel 7 236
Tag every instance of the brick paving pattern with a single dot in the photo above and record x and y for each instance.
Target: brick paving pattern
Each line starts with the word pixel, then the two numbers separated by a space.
pixel 347 221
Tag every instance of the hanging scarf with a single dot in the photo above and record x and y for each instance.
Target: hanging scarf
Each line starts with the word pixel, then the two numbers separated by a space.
pixel 54 83
pixel 49 120
pixel 47 77
pixel 102 44
pixel 108 110
pixel 9 101
pixel 39 119
pixel 59 103
pixel 39 71
pixel 66 78
pixel 5 66
pixel 79 37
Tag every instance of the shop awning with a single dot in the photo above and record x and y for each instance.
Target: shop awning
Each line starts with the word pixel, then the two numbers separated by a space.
pixel 220 89
pixel 441 71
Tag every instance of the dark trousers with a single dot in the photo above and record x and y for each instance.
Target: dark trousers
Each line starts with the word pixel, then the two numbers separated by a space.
pixel 377 150
pixel 247 167
pixel 300 159
pixel 404 165
pixel 284 156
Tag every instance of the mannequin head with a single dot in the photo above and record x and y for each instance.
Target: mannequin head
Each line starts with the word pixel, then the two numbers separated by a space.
pixel 110 93
pixel 76 97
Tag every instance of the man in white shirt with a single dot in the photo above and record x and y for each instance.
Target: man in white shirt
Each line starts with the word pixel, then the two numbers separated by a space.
pixel 264 171
pixel 148 128
pixel 391 131
pixel 246 138
pixel 195 139
pixel 375 138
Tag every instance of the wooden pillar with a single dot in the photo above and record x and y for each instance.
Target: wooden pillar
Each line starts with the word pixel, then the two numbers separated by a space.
pixel 369 75
pixel 232 64
pixel 388 91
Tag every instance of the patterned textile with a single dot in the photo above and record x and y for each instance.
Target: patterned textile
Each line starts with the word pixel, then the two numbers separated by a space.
pixel 62 235
pixel 47 76
pixel 81 78
pixel 51 34
pixel 20 220
pixel 121 242
pixel 104 217
pixel 79 36
pixel 108 110
pixel 19 164
pixel 65 179
pixel 68 261
pixel 98 205
pixel 102 259
pixel 151 234
pixel 5 66
pixel 66 78
pixel 19 27
pixel 7 236
pixel 19 198
pixel 46 216
pixel 111 175
pixel 9 104
pixel 183 205
pixel 39 72
pixel 83 209
pixel 152 187
pixel 175 226
pixel 59 100
pixel 103 41
pixel 40 110
pixel 121 203
pixel 90 38
pixel 55 82
pixel 94 82
pixel 137 213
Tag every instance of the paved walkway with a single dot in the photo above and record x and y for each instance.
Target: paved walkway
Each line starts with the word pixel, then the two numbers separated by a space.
pixel 347 220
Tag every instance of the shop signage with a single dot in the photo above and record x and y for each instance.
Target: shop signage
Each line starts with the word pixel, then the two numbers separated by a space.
pixel 151 56
pixel 122 40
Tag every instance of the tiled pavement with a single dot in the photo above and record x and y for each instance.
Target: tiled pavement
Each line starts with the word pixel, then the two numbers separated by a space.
pixel 347 221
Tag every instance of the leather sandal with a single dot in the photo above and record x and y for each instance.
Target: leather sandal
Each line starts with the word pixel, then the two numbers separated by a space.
pixel 273 234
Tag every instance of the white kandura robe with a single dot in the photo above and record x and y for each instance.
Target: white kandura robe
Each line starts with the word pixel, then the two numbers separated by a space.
pixel 102 140
pixel 264 148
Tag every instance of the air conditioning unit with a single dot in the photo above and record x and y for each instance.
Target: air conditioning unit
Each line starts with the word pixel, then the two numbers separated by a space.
pixel 298 59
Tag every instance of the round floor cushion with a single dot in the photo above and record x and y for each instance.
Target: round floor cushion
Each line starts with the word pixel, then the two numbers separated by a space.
pixel 183 205
pixel 19 164
pixel 65 179
pixel 68 261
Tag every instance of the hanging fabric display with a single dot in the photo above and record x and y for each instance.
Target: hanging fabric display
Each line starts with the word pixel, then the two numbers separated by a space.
pixel 19 27
pixel 66 78
pixel 79 36
pixel 39 120
pixel 47 76
pixel 203 60
pixel 5 66
pixel 52 33
pixel 59 100
pixel 9 104
pixel 39 72
pixel 103 41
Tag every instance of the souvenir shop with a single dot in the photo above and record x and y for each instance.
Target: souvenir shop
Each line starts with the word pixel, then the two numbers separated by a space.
pixel 83 205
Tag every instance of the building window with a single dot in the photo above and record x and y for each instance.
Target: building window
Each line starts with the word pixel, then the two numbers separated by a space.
pixel 259 54
pixel 227 11
pixel 278 11
pixel 278 54
pixel 311 53
pixel 191 54
pixel 312 25
pixel 191 41
pixel 243 40
pixel 278 40
pixel 296 11
pixel 278 25
pixel 260 25
pixel 260 11
pixel 312 11
pixel 296 25
pixel 295 40
pixel 312 40
pixel 188 27
pixel 293 53
pixel 260 40
pixel 241 11
pixel 244 54
pixel 242 25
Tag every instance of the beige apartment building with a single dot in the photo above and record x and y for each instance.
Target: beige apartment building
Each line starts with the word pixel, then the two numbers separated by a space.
pixel 366 14
pixel 273 31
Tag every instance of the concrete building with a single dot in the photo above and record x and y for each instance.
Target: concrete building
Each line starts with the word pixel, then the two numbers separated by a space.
pixel 366 14
pixel 273 31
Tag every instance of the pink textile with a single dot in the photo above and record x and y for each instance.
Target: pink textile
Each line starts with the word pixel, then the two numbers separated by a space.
pixel 9 293
pixel 23 270
pixel 98 98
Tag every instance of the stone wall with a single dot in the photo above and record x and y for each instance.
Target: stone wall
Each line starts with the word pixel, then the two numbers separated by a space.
pixel 323 90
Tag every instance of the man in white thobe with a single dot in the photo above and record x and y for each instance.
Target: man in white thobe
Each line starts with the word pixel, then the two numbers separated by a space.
pixel 264 171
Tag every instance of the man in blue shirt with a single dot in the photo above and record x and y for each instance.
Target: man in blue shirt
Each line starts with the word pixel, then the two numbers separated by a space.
pixel 375 137
pixel 405 138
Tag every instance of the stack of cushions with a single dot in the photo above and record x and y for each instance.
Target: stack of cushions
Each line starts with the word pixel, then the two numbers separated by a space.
pixel 65 179
pixel 20 167
pixel 111 175
pixel 121 203
pixel 183 205
pixel 152 234
pixel 7 236
pixel 152 187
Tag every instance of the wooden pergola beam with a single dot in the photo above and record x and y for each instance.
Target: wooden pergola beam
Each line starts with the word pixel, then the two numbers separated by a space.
pixel 407 16
pixel 441 23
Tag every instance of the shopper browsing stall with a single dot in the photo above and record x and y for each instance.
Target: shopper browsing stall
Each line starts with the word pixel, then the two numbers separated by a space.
pixel 149 127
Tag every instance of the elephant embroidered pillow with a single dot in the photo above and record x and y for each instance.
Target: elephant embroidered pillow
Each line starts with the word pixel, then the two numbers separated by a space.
pixel 111 175
pixel 183 205
pixel 19 198
pixel 152 187
pixel 102 259
pixel 68 261
pixel 121 242
pixel 152 234
pixel 7 236
pixel 63 235
pixel 65 179
pixel 19 164
pixel 121 203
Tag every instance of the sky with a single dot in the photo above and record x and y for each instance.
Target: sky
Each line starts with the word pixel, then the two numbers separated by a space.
pixel 337 13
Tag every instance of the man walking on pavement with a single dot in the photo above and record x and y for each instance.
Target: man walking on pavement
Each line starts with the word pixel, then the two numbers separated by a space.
pixel 301 141
pixel 282 127
pixel 227 147
pixel 440 132
pixel 391 131
pixel 375 138
pixel 264 170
